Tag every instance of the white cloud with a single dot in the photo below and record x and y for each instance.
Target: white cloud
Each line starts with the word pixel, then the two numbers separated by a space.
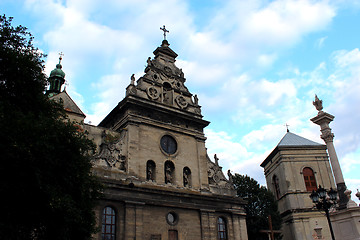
pixel 108 87
pixel 226 147
pixel 286 21
pixel 320 42
pixel 266 60
pixel 105 43
pixel 233 155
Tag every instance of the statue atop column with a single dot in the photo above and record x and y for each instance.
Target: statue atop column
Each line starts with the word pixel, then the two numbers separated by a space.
pixel 323 119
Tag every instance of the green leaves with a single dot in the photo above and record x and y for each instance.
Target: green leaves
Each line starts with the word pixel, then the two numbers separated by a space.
pixel 261 203
pixel 45 172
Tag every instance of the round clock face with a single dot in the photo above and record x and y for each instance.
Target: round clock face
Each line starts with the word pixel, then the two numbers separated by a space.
pixel 168 144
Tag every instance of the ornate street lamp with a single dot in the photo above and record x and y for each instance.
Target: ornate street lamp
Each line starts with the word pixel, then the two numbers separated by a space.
pixel 324 200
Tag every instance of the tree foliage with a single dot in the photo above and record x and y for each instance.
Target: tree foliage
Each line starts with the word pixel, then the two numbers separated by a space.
pixel 261 204
pixel 46 185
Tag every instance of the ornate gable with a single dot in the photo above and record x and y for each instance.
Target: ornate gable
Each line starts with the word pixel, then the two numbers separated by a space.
pixel 163 82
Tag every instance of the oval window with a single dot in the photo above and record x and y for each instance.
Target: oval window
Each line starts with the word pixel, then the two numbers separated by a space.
pixel 172 218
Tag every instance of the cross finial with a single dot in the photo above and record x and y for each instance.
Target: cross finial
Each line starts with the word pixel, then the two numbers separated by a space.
pixel 287 127
pixel 165 31
pixel 60 56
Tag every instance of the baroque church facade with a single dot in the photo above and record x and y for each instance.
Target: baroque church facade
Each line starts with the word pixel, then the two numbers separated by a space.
pixel 151 156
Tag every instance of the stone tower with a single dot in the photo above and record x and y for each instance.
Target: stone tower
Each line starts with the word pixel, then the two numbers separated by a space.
pixel 160 182
pixel 293 169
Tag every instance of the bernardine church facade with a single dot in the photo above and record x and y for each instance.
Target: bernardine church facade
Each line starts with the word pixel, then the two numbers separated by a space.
pixel 151 155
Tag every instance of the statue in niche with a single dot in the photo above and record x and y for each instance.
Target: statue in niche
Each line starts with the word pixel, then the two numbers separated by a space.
pixel 168 173
pixel 150 171
pixel 186 177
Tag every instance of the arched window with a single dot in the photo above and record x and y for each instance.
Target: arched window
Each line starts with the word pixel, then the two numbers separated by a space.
pixel 309 179
pixel 187 177
pixel 222 229
pixel 276 186
pixel 108 228
pixel 169 172
pixel 150 170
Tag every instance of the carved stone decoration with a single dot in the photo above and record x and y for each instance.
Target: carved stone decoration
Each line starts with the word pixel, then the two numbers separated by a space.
pixel 181 73
pixel 168 71
pixel 152 92
pixel 196 100
pixel 187 177
pixel 150 170
pixel 216 176
pixel 318 103
pixel 181 101
pixel 149 62
pixel 177 84
pixel 110 152
pixel 164 82
pixel 156 77
pixel 216 160
pixel 197 111
pixel 327 135
pixel 167 97
pixel 169 172
pixel 132 79
pixel 230 176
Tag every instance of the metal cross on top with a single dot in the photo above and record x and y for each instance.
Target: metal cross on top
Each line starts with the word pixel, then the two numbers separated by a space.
pixel 165 31
pixel 287 127
pixel 60 56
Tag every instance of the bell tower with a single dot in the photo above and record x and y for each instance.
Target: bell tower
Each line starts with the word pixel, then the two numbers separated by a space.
pixel 292 170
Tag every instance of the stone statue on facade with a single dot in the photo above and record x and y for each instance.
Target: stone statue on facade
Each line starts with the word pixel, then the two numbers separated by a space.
pixel 168 173
pixel 216 160
pixel 230 176
pixel 132 79
pixel 149 63
pixel 196 100
pixel 181 73
pixel 186 178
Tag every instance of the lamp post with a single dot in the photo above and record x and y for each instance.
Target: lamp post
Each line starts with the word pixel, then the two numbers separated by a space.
pixel 324 200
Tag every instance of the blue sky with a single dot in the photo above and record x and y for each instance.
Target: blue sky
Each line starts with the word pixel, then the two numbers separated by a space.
pixel 254 64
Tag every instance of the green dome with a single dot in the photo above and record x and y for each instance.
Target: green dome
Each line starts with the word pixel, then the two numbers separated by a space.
pixel 57 72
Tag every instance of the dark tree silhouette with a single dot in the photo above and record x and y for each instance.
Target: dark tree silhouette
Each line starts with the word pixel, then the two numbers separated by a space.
pixel 47 189
pixel 261 204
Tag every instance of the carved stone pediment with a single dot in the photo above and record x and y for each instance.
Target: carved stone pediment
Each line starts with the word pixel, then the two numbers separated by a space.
pixel 163 82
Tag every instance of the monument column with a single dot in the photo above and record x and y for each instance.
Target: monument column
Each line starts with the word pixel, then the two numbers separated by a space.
pixel 323 119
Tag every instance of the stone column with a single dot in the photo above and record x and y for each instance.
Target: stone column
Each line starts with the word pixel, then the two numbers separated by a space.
pixel 323 119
